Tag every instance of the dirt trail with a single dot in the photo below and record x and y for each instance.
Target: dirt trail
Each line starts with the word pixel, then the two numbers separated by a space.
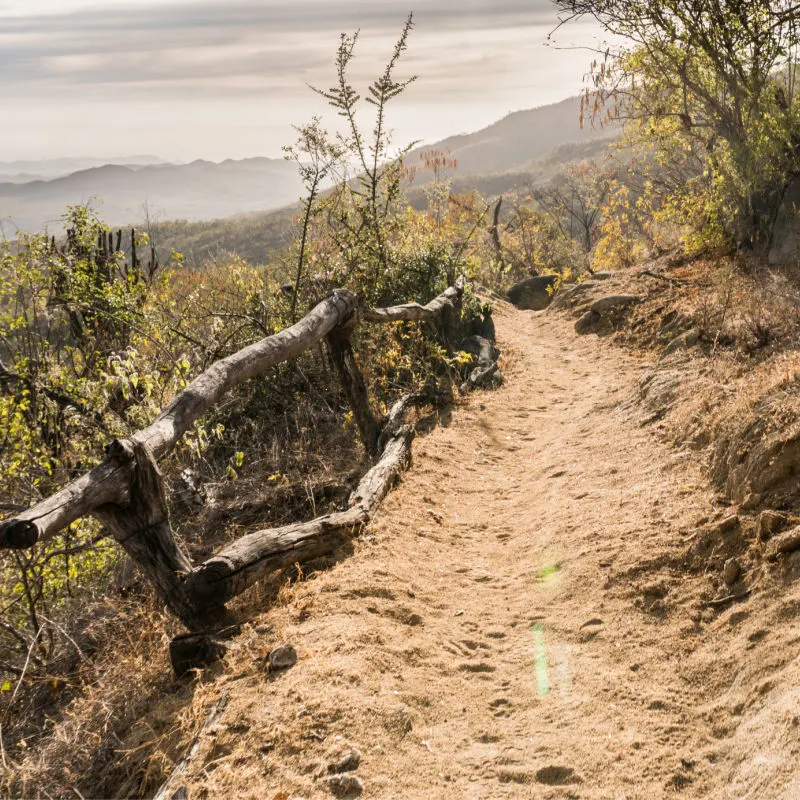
pixel 511 625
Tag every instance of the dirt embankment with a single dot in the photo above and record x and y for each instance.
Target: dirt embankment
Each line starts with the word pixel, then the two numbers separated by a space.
pixel 540 610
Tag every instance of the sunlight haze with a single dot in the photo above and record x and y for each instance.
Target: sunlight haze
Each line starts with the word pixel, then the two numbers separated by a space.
pixel 190 79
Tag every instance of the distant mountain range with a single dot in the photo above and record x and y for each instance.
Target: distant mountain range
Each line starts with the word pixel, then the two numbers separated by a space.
pixel 523 146
pixel 22 171
pixel 195 191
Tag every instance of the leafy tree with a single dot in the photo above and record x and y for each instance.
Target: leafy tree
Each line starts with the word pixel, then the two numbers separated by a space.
pixel 707 80
pixel 573 201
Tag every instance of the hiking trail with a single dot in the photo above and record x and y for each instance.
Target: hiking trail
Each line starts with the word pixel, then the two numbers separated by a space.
pixel 510 625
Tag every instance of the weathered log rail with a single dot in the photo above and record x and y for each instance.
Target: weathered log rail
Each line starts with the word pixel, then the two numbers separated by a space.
pixel 126 491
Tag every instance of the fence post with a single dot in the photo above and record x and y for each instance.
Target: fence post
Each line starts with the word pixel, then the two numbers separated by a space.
pixel 343 357
pixel 142 528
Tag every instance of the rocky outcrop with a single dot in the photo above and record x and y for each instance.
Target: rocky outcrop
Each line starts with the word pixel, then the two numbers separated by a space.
pixel 685 341
pixel 753 461
pixel 574 295
pixel 602 313
pixel 785 239
pixel 533 294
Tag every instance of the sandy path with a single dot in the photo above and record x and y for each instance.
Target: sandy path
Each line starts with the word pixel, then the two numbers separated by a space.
pixel 505 628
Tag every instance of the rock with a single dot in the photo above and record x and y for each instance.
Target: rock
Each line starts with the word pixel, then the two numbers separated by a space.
pixel 785 238
pixel 769 523
pixel 659 390
pixel 347 763
pixel 588 323
pixel 613 303
pixel 731 571
pixel 344 785
pixel 483 352
pixel 782 543
pixel 487 327
pixel 557 775
pixel 282 657
pixel 571 295
pixel 752 501
pixel 602 276
pixel 533 294
pixel 682 342
pixel 725 525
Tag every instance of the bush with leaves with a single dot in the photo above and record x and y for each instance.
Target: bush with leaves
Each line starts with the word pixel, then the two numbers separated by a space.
pixel 709 88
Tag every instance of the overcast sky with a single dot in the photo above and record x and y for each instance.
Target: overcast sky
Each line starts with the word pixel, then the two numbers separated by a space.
pixel 185 79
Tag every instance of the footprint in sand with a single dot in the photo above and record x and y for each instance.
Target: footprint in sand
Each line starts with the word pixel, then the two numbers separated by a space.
pixel 501 707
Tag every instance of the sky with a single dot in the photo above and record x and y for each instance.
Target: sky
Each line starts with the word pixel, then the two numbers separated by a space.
pixel 216 79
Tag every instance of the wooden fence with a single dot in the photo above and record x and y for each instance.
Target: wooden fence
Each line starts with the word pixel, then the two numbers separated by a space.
pixel 126 491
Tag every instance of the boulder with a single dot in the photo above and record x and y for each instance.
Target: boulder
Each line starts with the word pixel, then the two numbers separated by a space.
pixel 683 342
pixel 613 303
pixel 588 323
pixel 533 294
pixel 785 238
pixel 483 352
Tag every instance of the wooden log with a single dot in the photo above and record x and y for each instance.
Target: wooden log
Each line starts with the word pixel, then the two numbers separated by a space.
pixel 376 484
pixel 258 554
pixel 208 388
pixel 355 388
pixel 142 528
pixel 414 312
pixel 109 483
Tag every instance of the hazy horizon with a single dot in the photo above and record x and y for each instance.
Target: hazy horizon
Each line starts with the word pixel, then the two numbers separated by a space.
pixel 189 79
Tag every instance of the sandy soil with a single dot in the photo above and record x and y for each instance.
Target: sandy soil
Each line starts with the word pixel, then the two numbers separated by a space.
pixel 519 622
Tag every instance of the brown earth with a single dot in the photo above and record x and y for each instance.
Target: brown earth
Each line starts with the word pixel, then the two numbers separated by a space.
pixel 527 618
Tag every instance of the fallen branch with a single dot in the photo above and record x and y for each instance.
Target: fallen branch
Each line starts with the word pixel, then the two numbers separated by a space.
pixel 414 312
pixel 110 482
pixel 728 599
pixel 258 554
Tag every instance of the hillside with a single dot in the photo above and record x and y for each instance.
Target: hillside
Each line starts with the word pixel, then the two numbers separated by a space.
pixel 515 141
pixel 524 148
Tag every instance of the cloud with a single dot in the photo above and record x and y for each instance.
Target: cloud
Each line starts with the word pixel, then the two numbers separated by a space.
pixel 244 44
pixel 209 78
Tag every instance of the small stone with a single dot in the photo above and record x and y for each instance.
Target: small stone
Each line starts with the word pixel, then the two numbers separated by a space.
pixel 282 657
pixel 782 543
pixel 751 501
pixel 731 571
pixel 769 523
pixel 613 303
pixel 726 524
pixel 685 341
pixel 344 785
pixel 347 763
